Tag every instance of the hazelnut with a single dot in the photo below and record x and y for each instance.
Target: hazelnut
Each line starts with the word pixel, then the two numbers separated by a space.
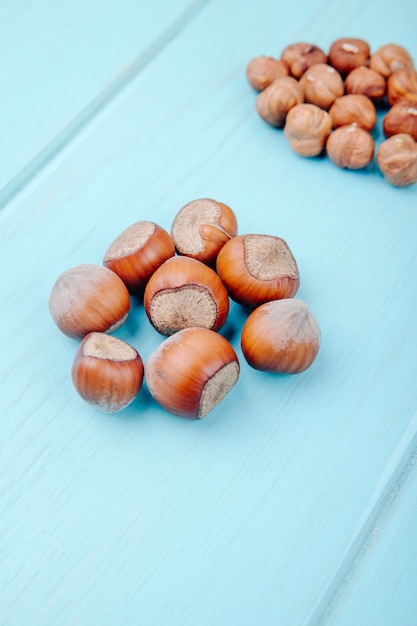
pixel 258 268
pixel 300 56
pixel 202 227
pixel 390 58
pixel 282 337
pixel 401 118
pixel 365 81
pixel 191 372
pixel 402 85
pixel 307 127
pixel 137 252
pixel 347 53
pixel 322 84
pixel 274 102
pixel 88 298
pixel 262 71
pixel 350 147
pixel 353 109
pixel 397 160
pixel 184 292
pixel 107 372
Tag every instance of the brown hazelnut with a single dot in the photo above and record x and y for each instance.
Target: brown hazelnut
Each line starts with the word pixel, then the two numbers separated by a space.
pixel 274 102
pixel 365 81
pixel 107 372
pixel 390 58
pixel 137 252
pixel 300 56
pixel 353 109
pixel 321 84
pixel 258 268
pixel 307 127
pixel 347 53
pixel 401 118
pixel 202 227
pixel 191 372
pixel 262 71
pixel 402 85
pixel 282 337
pixel 88 298
pixel 397 160
pixel 350 147
pixel 184 292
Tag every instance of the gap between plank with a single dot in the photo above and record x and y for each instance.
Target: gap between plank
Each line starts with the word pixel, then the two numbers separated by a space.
pixel 36 165
pixel 401 464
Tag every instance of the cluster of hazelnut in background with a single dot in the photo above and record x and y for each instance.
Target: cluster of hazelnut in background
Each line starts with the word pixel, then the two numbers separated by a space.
pixel 185 280
pixel 328 103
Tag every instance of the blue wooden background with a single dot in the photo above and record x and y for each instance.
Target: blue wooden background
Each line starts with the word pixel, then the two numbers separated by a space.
pixel 294 502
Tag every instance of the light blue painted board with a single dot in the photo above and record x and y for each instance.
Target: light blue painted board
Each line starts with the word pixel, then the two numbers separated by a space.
pixel 384 588
pixel 60 60
pixel 248 516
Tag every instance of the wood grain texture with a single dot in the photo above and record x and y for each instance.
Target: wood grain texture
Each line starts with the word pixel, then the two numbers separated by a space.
pixel 60 64
pixel 251 515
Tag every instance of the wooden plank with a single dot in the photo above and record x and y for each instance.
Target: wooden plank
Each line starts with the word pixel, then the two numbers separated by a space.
pixel 246 516
pixel 60 62
pixel 386 581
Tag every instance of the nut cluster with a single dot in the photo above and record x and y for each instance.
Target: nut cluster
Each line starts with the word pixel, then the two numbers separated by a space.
pixel 328 103
pixel 184 279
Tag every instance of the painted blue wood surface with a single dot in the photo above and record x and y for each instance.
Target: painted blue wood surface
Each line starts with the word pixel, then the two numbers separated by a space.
pixel 256 514
pixel 60 61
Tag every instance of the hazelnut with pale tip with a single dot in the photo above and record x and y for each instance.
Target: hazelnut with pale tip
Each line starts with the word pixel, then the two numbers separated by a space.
pixel 137 252
pixel 258 268
pixel 88 298
pixel 184 292
pixel 281 337
pixel 191 372
pixel 107 372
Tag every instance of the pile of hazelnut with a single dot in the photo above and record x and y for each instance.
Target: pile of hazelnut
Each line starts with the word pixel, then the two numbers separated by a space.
pixel 328 103
pixel 184 280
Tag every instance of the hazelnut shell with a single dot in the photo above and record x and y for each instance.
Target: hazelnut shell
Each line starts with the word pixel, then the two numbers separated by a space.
pixel 202 227
pixel 191 372
pixel 137 252
pixel 184 292
pixel 107 372
pixel 282 337
pixel 88 298
pixel 258 268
